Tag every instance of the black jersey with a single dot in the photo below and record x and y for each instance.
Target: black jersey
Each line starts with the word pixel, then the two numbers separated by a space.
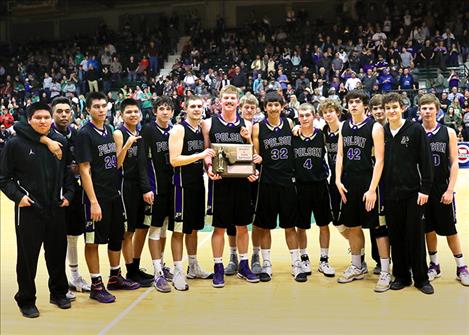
pixel 226 132
pixel 439 145
pixel 310 154
pixel 275 146
pixel 129 169
pixel 159 169
pixel 193 143
pixel 357 148
pixel 97 147
pixel 331 147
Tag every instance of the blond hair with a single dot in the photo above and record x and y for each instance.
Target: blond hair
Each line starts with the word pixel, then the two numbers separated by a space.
pixel 230 89
pixel 249 99
pixel 330 103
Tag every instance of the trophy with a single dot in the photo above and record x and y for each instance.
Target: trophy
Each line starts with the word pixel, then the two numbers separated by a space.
pixel 233 160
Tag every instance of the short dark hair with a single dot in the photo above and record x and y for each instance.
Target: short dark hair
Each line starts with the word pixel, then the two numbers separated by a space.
pixel 273 96
pixel 357 94
pixel 60 100
pixel 163 100
pixel 376 100
pixel 128 102
pixel 393 97
pixel 94 96
pixel 33 108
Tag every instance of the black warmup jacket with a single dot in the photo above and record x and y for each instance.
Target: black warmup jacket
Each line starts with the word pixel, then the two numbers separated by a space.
pixel 29 168
pixel 408 166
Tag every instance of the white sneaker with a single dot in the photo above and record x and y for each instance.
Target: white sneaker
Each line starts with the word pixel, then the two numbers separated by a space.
pixel 266 273
pixel 79 285
pixel 352 273
pixel 70 296
pixel 194 271
pixel 306 265
pixel 297 272
pixel 364 268
pixel 384 282
pixel 326 269
pixel 463 275
pixel 179 280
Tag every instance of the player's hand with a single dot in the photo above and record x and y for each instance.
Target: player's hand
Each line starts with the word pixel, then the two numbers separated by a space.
pixel 149 197
pixel 65 203
pixel 245 133
pixel 369 198
pixel 342 191
pixel 25 202
pixel 447 197
pixel 422 199
pixel 207 153
pixel 96 213
pixel 56 148
pixel 132 139
pixel 256 159
pixel 212 175
pixel 252 178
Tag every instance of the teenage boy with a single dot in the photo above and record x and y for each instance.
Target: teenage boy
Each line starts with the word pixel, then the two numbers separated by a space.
pixel 408 180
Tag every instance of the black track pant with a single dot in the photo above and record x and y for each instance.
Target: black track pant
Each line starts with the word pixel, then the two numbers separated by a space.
pixel 407 237
pixel 33 230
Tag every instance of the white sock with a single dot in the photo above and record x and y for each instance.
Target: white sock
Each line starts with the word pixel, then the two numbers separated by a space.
pixel 357 261
pixel 218 260
pixel 384 264
pixel 233 251
pixel 434 258
pixel 192 259
pixel 178 265
pixel 243 257
pixel 72 254
pixel 303 252
pixel 95 275
pixel 157 267
pixel 115 267
pixel 459 260
pixel 255 250
pixel 74 272
pixel 265 254
pixel 295 257
pixel 324 252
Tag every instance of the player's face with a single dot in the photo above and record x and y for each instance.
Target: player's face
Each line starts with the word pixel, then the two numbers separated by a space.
pixel 306 118
pixel 229 102
pixel 164 113
pixel 98 110
pixel 62 115
pixel 248 111
pixel 393 111
pixel 273 109
pixel 194 109
pixel 356 106
pixel 131 115
pixel 428 112
pixel 378 113
pixel 330 115
pixel 41 121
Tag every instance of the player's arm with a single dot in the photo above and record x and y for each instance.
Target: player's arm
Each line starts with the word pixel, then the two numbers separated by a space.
pixel 27 131
pixel 87 184
pixel 206 125
pixel 255 138
pixel 425 166
pixel 246 132
pixel 121 148
pixel 176 143
pixel 142 163
pixel 378 143
pixel 338 166
pixel 447 197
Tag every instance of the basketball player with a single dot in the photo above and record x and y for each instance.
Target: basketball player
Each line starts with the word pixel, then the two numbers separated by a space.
pixel 272 138
pixel 408 180
pixel 186 153
pixel 128 144
pixel 311 173
pixel 357 177
pixel 158 189
pixel 75 220
pixel 248 105
pixel 96 155
pixel 41 187
pixel 231 196
pixel 440 216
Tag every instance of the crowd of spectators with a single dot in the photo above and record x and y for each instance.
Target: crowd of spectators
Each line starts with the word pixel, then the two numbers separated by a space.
pixel 377 49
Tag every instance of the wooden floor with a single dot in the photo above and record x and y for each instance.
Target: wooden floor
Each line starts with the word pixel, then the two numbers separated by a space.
pixel 320 306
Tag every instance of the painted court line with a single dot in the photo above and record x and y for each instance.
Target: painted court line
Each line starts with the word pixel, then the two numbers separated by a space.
pixel 141 297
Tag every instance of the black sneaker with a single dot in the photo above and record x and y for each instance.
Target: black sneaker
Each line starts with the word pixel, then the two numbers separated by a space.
pixel 141 278
pixel 62 302
pixel 30 311
pixel 427 289
pixel 398 284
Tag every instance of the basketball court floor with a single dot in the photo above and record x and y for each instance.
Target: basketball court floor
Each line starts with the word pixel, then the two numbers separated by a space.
pixel 282 306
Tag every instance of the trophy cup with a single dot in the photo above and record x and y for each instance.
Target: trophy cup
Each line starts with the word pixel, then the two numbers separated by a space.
pixel 220 167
